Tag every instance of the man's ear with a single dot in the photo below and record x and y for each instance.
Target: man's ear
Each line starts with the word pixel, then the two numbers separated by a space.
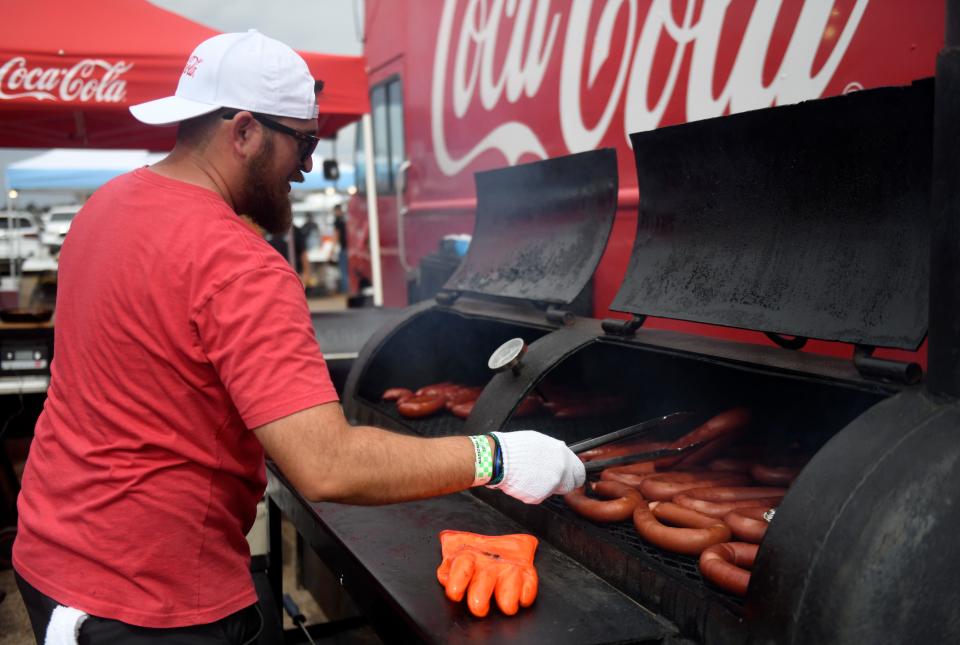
pixel 244 134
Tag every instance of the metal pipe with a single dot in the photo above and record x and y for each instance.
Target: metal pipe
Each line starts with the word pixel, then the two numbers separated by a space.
pixel 943 376
pixel 401 214
pixel 373 217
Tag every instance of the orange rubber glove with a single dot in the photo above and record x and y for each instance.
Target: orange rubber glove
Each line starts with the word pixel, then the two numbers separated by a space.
pixel 485 565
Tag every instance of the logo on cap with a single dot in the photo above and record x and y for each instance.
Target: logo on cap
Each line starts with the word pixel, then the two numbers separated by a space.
pixel 192 65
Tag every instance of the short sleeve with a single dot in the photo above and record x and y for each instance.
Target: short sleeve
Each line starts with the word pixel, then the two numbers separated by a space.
pixel 256 331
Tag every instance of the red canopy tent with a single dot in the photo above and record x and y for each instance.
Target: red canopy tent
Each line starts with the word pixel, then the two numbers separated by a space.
pixel 69 69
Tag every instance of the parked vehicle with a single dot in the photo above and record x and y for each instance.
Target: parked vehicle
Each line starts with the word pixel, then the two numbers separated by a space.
pixel 56 224
pixel 19 236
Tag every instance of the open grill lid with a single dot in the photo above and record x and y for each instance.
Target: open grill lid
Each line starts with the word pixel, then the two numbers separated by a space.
pixel 541 228
pixel 809 220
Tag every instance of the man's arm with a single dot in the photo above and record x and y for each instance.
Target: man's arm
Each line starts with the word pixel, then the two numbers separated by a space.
pixel 327 459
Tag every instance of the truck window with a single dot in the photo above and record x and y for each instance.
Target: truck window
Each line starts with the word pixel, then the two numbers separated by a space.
pixel 386 106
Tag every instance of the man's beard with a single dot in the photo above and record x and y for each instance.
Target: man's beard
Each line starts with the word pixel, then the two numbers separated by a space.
pixel 266 203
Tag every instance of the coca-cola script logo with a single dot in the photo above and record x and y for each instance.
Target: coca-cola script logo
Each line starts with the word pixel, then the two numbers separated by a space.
pixel 191 66
pixel 90 79
pixel 479 69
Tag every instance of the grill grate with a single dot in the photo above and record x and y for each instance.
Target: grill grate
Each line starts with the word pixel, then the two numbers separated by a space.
pixel 442 424
pixel 625 537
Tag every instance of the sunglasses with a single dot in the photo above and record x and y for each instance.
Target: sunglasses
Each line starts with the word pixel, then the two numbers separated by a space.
pixel 306 143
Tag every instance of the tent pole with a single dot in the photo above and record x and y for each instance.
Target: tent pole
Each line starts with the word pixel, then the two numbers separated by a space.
pixel 373 218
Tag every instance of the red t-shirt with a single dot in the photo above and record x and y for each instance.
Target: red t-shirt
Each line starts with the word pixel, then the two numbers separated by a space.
pixel 177 330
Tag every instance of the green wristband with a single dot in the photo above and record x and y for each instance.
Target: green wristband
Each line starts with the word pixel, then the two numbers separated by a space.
pixel 483 465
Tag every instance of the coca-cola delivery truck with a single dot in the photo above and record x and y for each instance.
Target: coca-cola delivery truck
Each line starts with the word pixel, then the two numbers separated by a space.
pixel 462 86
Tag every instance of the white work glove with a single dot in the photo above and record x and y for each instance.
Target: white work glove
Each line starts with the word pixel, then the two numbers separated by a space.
pixel 536 466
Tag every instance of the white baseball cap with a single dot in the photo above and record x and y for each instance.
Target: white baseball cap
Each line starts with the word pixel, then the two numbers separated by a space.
pixel 246 71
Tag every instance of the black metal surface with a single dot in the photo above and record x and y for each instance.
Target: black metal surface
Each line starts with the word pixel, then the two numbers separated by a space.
pixel 800 401
pixel 944 345
pixel 345 332
pixel 387 558
pixel 863 548
pixel 431 345
pixel 808 220
pixel 541 228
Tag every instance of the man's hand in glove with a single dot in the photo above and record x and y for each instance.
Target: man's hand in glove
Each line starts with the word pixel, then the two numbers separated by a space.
pixel 536 466
pixel 485 565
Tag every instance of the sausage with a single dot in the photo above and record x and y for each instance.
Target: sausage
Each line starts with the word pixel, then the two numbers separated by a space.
pixel 444 388
pixel 774 475
pixel 420 405
pixel 720 509
pixel 734 493
pixel 617 504
pixel 596 405
pixel 464 409
pixel 530 405
pixel 574 410
pixel 748 524
pixel 689 541
pixel 730 464
pixel 618 449
pixel 716 427
pixel 713 429
pixel 664 487
pixel 462 395
pixel 630 479
pixel 639 468
pixel 726 565
pixel 395 394
pixel 708 451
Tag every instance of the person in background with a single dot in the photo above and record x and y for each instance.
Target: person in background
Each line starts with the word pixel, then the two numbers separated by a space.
pixel 340 225
pixel 185 353
pixel 310 233
pixel 297 256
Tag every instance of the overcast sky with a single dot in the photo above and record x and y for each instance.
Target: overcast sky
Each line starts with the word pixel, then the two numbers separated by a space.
pixel 325 26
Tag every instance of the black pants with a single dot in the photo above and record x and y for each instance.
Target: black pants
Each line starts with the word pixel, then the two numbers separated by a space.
pixel 240 628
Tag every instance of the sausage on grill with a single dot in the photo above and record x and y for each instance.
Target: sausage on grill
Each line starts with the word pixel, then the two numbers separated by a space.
pixel 748 524
pixel 720 509
pixel 420 405
pixel 774 475
pixel 664 487
pixel 396 393
pixel 727 565
pixel 687 540
pixel 617 504
pixel 719 427
pixel 734 493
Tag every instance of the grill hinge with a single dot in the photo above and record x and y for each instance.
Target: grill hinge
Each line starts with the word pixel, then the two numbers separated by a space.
pixel 618 327
pixel 883 368
pixel 446 297
pixel 559 316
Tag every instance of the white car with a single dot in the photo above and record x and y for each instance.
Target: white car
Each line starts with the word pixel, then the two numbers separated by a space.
pixel 19 236
pixel 56 224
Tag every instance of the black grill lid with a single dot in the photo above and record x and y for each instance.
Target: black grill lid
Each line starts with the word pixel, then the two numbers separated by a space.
pixel 808 220
pixel 540 228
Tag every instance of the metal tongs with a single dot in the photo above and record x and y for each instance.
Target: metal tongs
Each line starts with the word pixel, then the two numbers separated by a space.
pixel 633 431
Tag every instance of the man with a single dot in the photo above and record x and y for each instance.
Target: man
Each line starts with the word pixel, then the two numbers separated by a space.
pixel 340 225
pixel 184 351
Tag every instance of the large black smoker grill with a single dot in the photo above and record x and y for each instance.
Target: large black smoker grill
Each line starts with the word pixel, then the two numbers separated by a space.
pixel 808 221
